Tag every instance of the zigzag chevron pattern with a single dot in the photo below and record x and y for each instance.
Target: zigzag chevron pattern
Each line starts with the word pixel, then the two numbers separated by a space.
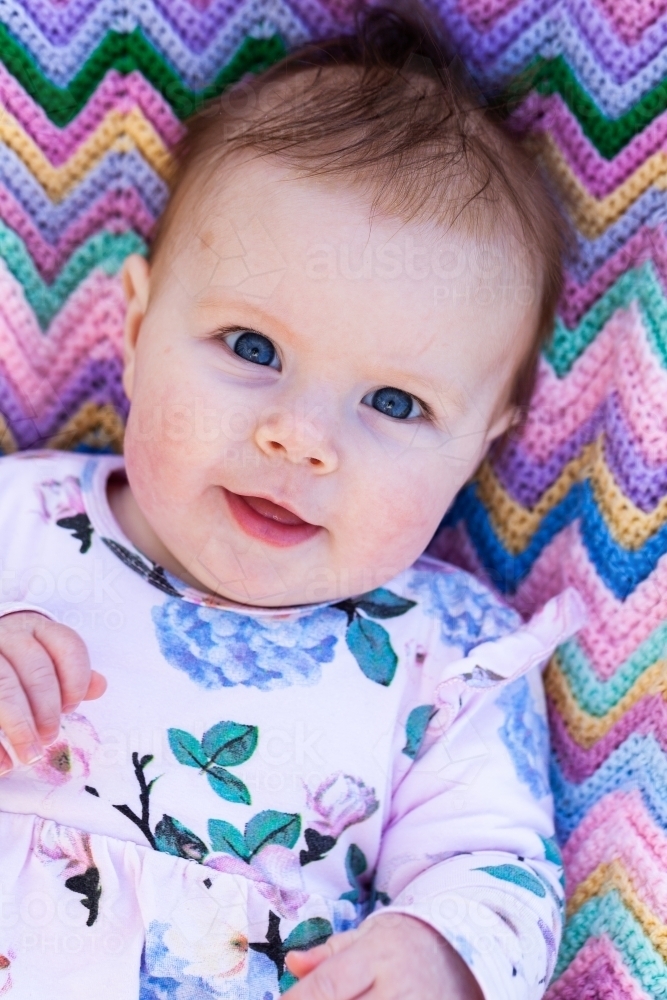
pixel 93 94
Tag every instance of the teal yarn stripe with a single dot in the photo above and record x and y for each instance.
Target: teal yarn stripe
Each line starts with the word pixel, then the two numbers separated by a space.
pixel 596 696
pixel 103 250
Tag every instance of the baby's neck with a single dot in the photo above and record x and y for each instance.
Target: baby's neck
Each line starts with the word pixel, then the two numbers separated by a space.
pixel 134 525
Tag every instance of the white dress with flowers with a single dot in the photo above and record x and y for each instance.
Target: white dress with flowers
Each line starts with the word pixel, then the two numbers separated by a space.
pixel 255 780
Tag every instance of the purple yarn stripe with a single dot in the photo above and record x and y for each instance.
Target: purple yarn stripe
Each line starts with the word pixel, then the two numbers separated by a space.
pixel 526 480
pixel 98 380
pixel 116 171
pixel 484 47
pixel 197 29
pixel 645 485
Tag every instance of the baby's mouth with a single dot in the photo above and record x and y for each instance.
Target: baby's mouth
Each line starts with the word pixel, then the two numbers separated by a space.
pixel 264 519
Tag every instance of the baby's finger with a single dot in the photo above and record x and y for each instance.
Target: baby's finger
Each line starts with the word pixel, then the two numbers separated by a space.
pixel 5 762
pixel 300 963
pixel 37 676
pixel 15 716
pixel 97 686
pixel 70 656
pixel 344 976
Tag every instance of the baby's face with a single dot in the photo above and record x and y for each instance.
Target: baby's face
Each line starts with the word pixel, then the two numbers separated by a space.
pixel 309 391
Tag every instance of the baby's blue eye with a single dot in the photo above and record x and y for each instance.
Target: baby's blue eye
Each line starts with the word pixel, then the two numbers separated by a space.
pixel 394 403
pixel 254 347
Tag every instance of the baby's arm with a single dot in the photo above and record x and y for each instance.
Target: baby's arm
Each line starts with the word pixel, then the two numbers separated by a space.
pixel 468 856
pixel 44 671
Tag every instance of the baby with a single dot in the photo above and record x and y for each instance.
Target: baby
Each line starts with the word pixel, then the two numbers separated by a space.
pixel 310 758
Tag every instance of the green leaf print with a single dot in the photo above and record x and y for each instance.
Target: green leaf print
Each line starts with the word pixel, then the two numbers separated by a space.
pixel 286 980
pixel 225 837
pixel 186 748
pixel 519 876
pixel 371 647
pixel 368 642
pixel 272 827
pixel 415 728
pixel 267 827
pixel 226 785
pixel 308 934
pixel 229 743
pixel 172 837
pixel 355 866
pixel 382 603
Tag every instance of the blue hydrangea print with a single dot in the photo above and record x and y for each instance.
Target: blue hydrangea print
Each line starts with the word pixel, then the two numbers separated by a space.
pixel 469 613
pixel 219 648
pixel 524 732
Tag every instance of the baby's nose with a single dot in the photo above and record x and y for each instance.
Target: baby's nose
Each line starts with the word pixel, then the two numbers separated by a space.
pixel 298 438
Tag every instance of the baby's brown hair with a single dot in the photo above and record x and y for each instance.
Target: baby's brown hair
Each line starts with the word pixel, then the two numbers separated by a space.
pixel 389 106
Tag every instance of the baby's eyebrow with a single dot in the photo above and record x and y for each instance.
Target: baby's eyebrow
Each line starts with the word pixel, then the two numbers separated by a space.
pixel 229 308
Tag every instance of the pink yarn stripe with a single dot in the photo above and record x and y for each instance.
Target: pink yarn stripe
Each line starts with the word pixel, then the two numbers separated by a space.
pixel 647 716
pixel 116 211
pixel 619 826
pixel 596 971
pixel 614 629
pixel 599 176
pixel 619 357
pixel 631 18
pixel 483 14
pixel 116 92
pixel 648 243
pixel 89 325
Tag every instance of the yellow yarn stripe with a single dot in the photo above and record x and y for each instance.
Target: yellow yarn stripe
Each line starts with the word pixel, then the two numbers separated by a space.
pixel 117 131
pixel 630 526
pixel 98 427
pixel 515 524
pixel 588 729
pixel 7 439
pixel 591 215
pixel 614 875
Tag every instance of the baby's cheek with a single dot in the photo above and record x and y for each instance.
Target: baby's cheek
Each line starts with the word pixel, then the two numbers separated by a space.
pixel 401 513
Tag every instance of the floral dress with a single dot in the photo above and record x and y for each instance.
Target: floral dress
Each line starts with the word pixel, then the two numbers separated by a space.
pixel 254 780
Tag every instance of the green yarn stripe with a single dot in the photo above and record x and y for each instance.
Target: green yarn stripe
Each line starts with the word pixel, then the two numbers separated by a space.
pixel 606 915
pixel 104 250
pixel 641 285
pixel 125 53
pixel 596 696
pixel 609 136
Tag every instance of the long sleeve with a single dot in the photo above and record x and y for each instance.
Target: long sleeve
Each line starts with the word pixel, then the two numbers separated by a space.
pixel 469 845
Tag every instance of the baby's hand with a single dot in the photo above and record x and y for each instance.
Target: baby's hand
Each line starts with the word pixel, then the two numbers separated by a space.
pixel 393 957
pixel 44 671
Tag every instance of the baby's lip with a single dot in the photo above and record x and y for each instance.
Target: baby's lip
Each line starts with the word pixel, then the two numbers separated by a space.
pixel 274 511
pixel 269 521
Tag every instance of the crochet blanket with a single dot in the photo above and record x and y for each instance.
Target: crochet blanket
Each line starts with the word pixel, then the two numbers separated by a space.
pixel 93 95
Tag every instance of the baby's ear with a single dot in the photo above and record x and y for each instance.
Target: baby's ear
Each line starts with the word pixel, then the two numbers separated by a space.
pixel 510 418
pixel 136 285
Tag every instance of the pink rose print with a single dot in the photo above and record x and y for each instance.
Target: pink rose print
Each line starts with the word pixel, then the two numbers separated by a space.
pixel 276 872
pixel 61 502
pixel 6 960
pixel 63 843
pixel 81 874
pixel 60 499
pixel 69 757
pixel 340 800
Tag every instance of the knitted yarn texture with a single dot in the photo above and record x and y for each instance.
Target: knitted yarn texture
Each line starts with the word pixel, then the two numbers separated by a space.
pixel 93 95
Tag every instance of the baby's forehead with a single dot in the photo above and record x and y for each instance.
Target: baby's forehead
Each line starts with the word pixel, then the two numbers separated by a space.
pixel 269 215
